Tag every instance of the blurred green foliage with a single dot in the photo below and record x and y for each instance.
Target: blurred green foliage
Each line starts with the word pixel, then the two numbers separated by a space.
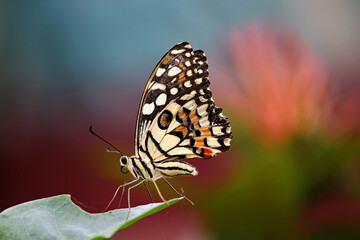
pixel 274 185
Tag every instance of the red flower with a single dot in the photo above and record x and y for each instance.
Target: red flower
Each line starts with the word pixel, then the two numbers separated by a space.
pixel 274 82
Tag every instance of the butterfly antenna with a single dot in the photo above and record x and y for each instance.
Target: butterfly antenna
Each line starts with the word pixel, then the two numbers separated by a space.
pixel 92 132
pixel 110 151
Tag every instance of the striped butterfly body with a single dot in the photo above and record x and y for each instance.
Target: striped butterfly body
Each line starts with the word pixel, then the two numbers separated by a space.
pixel 177 119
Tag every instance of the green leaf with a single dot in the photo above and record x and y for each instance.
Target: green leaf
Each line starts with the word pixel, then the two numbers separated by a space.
pixel 59 218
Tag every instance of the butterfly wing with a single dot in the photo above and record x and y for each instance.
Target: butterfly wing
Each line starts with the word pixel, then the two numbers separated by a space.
pixel 177 116
pixel 157 85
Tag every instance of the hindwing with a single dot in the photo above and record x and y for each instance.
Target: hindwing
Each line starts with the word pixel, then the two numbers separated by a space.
pixel 177 117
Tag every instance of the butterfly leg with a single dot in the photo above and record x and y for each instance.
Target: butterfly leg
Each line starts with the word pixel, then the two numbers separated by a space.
pixel 181 195
pixel 126 183
pixel 137 184
pixel 148 192
pixel 123 185
pixel 162 198
pixel 147 189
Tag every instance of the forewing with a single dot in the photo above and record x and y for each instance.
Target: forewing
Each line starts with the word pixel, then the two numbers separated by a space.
pixel 158 92
pixel 181 119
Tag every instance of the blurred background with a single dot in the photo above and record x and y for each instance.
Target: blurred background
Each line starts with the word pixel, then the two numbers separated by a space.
pixel 285 72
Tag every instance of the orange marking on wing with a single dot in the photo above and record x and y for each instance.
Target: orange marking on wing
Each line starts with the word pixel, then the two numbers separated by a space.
pixel 208 153
pixel 164 120
pixel 167 59
pixel 194 120
pixel 182 113
pixel 199 142
pixel 196 125
pixel 182 129
pixel 206 132
pixel 182 66
pixel 193 116
pixel 181 76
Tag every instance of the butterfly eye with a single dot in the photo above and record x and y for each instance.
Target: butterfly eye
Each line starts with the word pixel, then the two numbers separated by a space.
pixel 123 160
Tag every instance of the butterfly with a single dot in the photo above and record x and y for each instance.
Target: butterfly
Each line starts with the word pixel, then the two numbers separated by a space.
pixel 177 119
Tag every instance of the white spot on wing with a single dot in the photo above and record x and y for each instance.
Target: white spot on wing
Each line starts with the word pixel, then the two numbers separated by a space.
pixel 189 96
pixel 228 129
pixel 202 99
pixel 190 105
pixel 174 71
pixel 187 84
pixel 198 80
pixel 227 142
pixel 161 99
pixel 173 91
pixel 148 108
pixel 157 85
pixel 202 109
pixel 184 97
pixel 213 142
pixel 177 51
pixel 189 73
pixel 217 130
pixel 160 72
pixel 193 93
pixel 187 63
pixel 204 122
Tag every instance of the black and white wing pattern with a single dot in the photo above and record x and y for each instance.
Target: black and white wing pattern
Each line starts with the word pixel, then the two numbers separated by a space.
pixel 177 116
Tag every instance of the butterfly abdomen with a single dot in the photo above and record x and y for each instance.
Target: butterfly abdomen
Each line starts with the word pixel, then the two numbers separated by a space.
pixel 174 168
pixel 145 169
